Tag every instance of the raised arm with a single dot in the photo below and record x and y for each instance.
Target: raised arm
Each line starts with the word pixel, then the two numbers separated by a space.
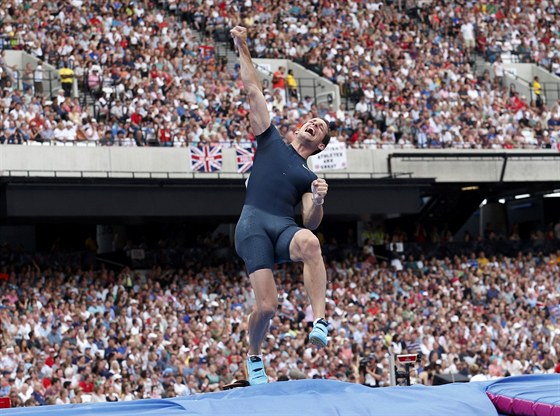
pixel 258 116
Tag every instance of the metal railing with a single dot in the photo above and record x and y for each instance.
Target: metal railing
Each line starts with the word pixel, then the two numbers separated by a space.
pixel 32 173
pixel 550 91
pixel 46 86
pixel 316 85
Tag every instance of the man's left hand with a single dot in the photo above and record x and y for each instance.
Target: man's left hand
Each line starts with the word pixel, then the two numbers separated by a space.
pixel 319 187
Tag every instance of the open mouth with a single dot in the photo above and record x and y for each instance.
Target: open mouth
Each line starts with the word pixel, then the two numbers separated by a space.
pixel 310 130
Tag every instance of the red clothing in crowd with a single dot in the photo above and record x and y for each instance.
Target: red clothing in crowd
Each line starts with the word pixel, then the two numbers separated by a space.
pixel 164 135
pixel 49 361
pixel 87 386
pixel 136 118
pixel 278 80
pixel 46 382
pixel 517 104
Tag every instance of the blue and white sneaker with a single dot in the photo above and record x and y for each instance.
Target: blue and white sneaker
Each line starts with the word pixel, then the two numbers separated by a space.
pixel 255 370
pixel 319 334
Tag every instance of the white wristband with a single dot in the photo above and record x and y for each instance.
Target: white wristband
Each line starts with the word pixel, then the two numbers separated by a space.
pixel 318 201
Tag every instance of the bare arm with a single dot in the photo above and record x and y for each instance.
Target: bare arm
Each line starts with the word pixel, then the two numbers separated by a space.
pixel 258 116
pixel 312 213
pixel 312 203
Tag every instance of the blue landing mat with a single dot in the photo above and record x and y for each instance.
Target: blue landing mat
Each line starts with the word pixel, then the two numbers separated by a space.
pixel 511 396
pixel 310 397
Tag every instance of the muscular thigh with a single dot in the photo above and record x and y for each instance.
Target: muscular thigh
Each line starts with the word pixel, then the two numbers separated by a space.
pixel 263 240
pixel 297 242
pixel 283 247
pixel 252 242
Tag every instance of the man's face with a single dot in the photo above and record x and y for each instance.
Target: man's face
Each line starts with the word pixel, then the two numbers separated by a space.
pixel 313 132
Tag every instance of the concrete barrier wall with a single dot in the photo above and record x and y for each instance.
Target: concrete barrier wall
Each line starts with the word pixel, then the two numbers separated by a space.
pixel 175 162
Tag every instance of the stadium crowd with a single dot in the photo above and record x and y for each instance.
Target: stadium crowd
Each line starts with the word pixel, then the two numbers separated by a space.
pixel 408 72
pixel 74 335
pixel 71 334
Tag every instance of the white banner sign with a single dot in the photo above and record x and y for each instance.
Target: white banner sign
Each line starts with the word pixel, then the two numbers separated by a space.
pixel 332 158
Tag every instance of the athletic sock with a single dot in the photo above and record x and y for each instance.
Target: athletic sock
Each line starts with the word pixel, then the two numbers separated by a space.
pixel 319 319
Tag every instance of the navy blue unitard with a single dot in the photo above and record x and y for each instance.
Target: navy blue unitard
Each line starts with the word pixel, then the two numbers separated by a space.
pixel 278 180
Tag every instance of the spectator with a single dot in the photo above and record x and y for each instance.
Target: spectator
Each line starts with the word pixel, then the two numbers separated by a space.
pixel 138 81
pixel 498 68
pixel 475 374
pixel 66 79
pixel 512 366
pixel 177 339
pixel 292 85
pixel 279 83
pixel 537 91
pixel 27 78
pixel 370 372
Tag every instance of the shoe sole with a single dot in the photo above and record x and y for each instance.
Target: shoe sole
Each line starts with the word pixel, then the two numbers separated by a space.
pixel 318 342
pixel 256 383
pixel 236 384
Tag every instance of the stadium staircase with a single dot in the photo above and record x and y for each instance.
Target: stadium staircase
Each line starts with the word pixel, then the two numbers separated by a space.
pixel 88 102
pixel 225 52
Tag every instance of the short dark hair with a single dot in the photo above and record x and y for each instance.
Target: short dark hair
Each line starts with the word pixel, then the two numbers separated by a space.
pixel 331 125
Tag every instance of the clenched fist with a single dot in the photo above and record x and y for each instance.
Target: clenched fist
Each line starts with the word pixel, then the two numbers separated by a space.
pixel 239 34
pixel 319 188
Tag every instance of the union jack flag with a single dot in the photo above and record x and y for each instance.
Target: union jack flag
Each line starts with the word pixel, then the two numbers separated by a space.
pixel 206 158
pixel 244 157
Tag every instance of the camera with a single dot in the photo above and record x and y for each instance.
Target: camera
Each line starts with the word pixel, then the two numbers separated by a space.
pixel 364 363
